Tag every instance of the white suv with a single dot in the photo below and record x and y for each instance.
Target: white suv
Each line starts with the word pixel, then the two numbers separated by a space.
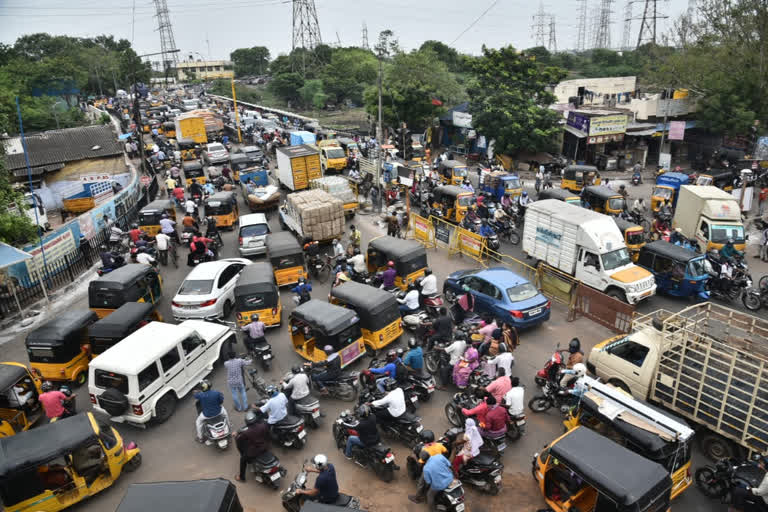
pixel 142 377
pixel 208 291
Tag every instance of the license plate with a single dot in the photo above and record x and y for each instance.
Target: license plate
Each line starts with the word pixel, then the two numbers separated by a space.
pixel 302 434
pixel 267 356
pixel 497 478
pixel 431 389
pixel 389 458
pixel 275 476
pixel 520 423
pixel 414 398
pixel 502 446
pixel 419 429
pixel 254 243
pixel 315 414
pixel 532 312
pixel 646 293
pixel 460 507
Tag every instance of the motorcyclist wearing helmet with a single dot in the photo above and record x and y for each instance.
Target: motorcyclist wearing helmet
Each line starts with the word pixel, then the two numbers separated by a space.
pixel 276 407
pixel 134 233
pixel 254 333
pixel 368 433
pixel 357 261
pixel 110 259
pixel 210 406
pixel 298 385
pixel 523 199
pixel 437 475
pixel 740 494
pixel 578 373
pixel 485 230
pixel 168 226
pixel 326 488
pixel 54 402
pixel 189 221
pixel 389 370
pixel 430 448
pixel 410 303
pixel 388 277
pixel 728 251
pixel 392 405
pixel 302 289
pixel 332 365
pixel 467 185
pixel 195 189
pixel 575 353
pixel 414 358
pixel 251 441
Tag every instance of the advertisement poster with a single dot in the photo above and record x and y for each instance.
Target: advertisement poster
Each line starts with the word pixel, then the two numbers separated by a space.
pixel 607 125
pixel 676 130
pixel 55 248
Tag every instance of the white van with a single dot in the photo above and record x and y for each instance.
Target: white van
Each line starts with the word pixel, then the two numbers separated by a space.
pixel 142 377
pixel 253 234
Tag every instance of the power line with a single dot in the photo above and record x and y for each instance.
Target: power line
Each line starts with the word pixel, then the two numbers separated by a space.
pixel 167 42
pixel 552 46
pixel 539 19
pixel 627 32
pixel 474 22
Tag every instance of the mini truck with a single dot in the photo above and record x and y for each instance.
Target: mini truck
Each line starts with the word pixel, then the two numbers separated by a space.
pixel 587 245
pixel 706 363
pixel 667 187
pixel 710 216
pixel 297 166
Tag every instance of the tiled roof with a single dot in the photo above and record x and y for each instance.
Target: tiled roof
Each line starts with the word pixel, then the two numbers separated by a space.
pixel 61 146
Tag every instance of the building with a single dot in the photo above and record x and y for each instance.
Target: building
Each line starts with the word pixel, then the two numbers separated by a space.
pixel 204 70
pixel 596 136
pixel 607 92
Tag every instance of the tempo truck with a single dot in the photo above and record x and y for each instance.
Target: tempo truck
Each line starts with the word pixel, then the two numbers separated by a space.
pixel 710 216
pixel 297 166
pixel 706 363
pixel 587 245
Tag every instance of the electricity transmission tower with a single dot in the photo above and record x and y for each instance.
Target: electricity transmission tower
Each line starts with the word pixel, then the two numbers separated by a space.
pixel 538 27
pixel 552 46
pixel 167 43
pixel 581 33
pixel 306 29
pixel 648 23
pixel 627 32
pixel 365 37
pixel 602 29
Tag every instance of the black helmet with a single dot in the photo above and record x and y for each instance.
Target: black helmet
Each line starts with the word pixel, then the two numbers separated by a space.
pixel 46 386
pixel 574 346
pixel 427 271
pixel 255 318
pixel 295 369
pixel 390 384
pixel 427 436
pixel 356 251
pixel 412 343
pixel 251 417
pixel 363 411
pixel 134 226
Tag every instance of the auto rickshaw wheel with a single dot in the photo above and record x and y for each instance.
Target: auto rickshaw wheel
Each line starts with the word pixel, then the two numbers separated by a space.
pixel 80 379
pixel 133 464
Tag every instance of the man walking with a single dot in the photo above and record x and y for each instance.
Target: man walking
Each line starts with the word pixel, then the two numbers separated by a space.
pixel 234 366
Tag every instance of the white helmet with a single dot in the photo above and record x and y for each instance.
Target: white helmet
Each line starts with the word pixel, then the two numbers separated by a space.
pixel 320 461
pixel 580 369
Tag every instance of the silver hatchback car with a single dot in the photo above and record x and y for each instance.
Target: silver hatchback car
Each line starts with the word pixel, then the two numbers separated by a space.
pixel 253 234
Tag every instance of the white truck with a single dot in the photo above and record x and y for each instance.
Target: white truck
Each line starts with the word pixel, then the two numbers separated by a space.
pixel 586 245
pixel 706 363
pixel 710 216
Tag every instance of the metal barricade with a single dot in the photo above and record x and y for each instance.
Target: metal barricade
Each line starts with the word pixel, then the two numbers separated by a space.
pixel 612 313
pixel 556 284
pixel 468 243
pixel 421 229
pixel 444 232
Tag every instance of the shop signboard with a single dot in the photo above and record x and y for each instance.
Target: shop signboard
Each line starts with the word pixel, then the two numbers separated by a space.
pixel 462 119
pixel 602 139
pixel 608 125
pixel 676 130
pixel 578 121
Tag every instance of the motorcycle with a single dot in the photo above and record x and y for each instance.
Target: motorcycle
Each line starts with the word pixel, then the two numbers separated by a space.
pixel 755 298
pixel 506 231
pixel 422 383
pixel 119 261
pixel 432 305
pixel 266 469
pixel 149 249
pixel 379 458
pixel 636 179
pixel 728 289
pixel 552 368
pixel 344 388
pixel 215 430
pixel 405 428
pixel 307 407
pixel 293 501
pixel 187 234
pixel 288 432
pixel 368 383
pixel 483 471
pixel 552 395
pixel 259 350
pixel 717 481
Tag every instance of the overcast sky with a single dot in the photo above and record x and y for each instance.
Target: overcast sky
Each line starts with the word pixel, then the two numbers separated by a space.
pixel 221 26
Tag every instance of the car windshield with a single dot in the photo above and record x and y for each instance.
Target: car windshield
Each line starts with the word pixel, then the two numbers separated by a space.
pixel 720 233
pixel 196 287
pixel 616 259
pixel 663 193
pixel 460 171
pixel 254 230
pixel 697 267
pixel 522 292
pixel 106 380
pixel 335 153
pixel 466 200
pixel 213 148
pixel 616 203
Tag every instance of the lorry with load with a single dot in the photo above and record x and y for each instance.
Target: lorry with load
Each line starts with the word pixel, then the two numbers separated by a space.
pixel 313 214
pixel 667 188
pixel 302 137
pixel 706 363
pixel 257 192
pixel 340 188
pixel 190 130
pixel 710 216
pixel 297 165
pixel 586 245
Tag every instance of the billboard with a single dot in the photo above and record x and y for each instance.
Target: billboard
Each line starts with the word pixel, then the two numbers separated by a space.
pixel 608 125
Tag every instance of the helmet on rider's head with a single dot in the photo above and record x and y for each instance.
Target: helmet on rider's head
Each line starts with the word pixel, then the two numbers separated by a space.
pixel 730 240
pixel 46 386
pixel 272 390
pixel 412 343
pixel 320 461
pixel 363 411
pixel 391 355
pixel 328 350
pixel 164 216
pixel 134 226
pixel 525 194
pixel 427 271
pixel 255 317
pixel 335 241
pixel 574 345
pixel 205 385
pixel 580 369
pixel 389 384
pixel 351 227
pixel 427 436
pixel 302 280
pixel 295 369
pixel 400 353
pixel 356 251
pixel 103 247
pixel 251 417
pixel 390 263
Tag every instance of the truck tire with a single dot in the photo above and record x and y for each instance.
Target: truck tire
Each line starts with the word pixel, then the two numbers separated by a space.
pixel 617 294
pixel 716 447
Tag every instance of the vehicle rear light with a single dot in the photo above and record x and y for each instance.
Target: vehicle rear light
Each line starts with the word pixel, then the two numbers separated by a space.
pixel 239 316
pixel 549 304
pixel 274 469
pixel 37 372
pixel 353 432
pixel 381 337
pixel 175 304
pixel 515 313
pixel 274 311
pixel 299 428
pixel 240 240
pixel 138 410
pixel 93 398
pixel 208 303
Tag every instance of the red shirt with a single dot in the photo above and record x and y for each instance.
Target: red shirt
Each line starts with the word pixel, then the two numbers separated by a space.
pixel 51 401
pixel 495 419
pixel 178 192
pixel 763 194
pixel 134 234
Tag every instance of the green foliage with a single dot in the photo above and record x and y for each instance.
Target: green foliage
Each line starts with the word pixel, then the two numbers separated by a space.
pixel 453 60
pixel 348 73
pixel 244 93
pixel 15 227
pixel 509 101
pixel 250 61
pixel 312 94
pixel 287 85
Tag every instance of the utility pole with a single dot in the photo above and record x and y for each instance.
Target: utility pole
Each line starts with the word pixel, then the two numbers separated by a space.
pixel 603 25
pixel 380 140
pixel 167 42
pixel 627 32
pixel 552 46
pixel 664 126
pixel 539 21
pixel 237 113
pixel 365 37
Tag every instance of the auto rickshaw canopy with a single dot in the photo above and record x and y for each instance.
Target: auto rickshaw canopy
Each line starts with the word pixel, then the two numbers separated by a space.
pixel 452 165
pixel 626 478
pixel 408 255
pixel 10 374
pixel 376 308
pixel 220 203
pixel 122 321
pixel 282 244
pixel 192 165
pixel 256 283
pixel 28 450
pixel 59 331
pixel 214 495
pixel 671 251
pixel 560 194
pixel 448 190
pixel 117 284
pixel 602 192
pixel 325 317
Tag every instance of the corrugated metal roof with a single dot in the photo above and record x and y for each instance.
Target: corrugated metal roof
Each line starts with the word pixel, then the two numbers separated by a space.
pixel 60 146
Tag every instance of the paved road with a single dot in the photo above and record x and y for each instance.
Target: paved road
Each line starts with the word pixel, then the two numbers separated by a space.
pixel 170 452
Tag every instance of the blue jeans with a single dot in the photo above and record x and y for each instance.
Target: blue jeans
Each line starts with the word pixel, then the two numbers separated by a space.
pixel 239 397
pixel 405 310
pixel 380 384
pixel 352 441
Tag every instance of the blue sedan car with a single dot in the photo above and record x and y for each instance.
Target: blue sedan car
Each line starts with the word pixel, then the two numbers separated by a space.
pixel 500 292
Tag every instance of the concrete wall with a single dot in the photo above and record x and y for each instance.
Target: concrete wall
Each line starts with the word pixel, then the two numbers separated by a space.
pixel 604 86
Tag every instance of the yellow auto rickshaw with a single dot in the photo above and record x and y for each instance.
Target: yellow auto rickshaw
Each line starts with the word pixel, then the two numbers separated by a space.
pixel 131 283
pixel 452 172
pixel 59 350
pixel 54 466
pixel 451 203
pixel 286 256
pixel 576 177
pixel 604 200
pixel 169 129
pixel 256 293
pixel 150 215
pixel 223 207
pixel 238 162
pixel 317 324
pixel 560 194
pixel 349 146
pixel 377 309
pixel 582 470
pixel 193 170
pixel 20 408
pixel 124 321
pixel 209 495
pixel 655 435
pixel 634 236
pixel 409 257
pixel 720 178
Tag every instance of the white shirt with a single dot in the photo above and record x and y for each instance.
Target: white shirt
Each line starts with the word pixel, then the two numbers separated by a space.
pixel 167 225
pixel 299 386
pixel 161 239
pixel 394 400
pixel 515 398
pixel 190 206
pixel 456 350
pixel 411 299
pixel 144 258
pixel 358 263
pixel 338 250
pixel 429 285
pixel 276 407
pixel 504 360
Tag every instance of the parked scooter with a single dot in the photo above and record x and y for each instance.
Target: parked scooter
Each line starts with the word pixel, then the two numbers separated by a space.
pixel 293 501
pixel 379 458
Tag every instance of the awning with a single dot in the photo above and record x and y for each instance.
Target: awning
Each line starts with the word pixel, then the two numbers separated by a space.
pixel 573 131
pixel 10 255
pixel 38 170
pixel 641 133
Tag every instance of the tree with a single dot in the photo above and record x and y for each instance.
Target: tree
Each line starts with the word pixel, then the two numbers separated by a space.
pixel 250 61
pixel 287 85
pixel 15 227
pixel 509 100
pixel 348 73
pixel 312 94
pixel 445 54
